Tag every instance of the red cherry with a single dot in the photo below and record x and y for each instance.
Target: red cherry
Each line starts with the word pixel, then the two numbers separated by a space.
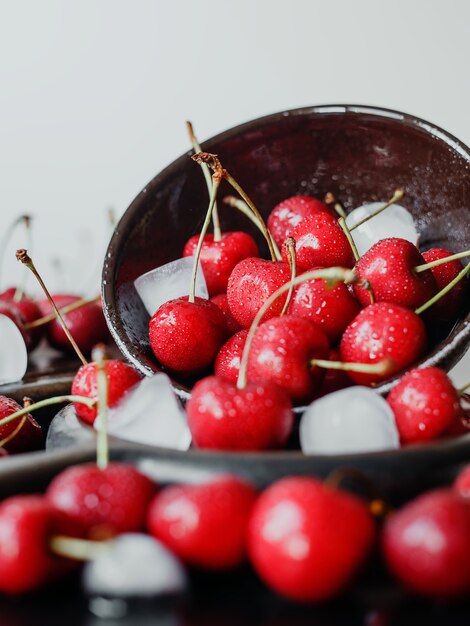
pixel 186 336
pixel 250 285
pixel 204 525
pixel 332 309
pixel 223 417
pixel 105 502
pixel 383 331
pixel 282 350
pixel 11 311
pixel 121 377
pixel 307 540
pixel 449 306
pixel 334 380
pixel 8 294
pixel 28 438
pixel 427 544
pixel 425 404
pixel 227 363
pixel 29 311
pixel 389 268
pixel 462 483
pixel 27 523
pixel 232 325
pixel 218 258
pixel 320 242
pixel 87 324
pixel 289 213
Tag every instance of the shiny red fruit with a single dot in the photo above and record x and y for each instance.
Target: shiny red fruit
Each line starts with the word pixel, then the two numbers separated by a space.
pixel 227 363
pixel 462 483
pixel 427 544
pixel 250 285
pixel 186 336
pixel 121 377
pixel 104 502
pixel 281 353
pixel 204 525
pixel 383 331
pixel 425 404
pixel 218 258
pixel 223 417
pixel 11 311
pixel 320 242
pixel 28 311
pixel 307 540
pixel 28 438
pixel 388 266
pixel 334 380
pixel 86 324
pixel 289 213
pixel 232 325
pixel 449 306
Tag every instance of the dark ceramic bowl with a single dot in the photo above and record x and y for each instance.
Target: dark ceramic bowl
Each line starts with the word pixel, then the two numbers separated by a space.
pixel 361 154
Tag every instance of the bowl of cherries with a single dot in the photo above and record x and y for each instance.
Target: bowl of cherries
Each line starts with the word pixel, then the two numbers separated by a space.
pixel 300 282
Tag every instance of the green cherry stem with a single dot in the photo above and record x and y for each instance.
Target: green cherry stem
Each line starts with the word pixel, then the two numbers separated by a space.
pixel 437 262
pixel 330 200
pixel 382 367
pixel 440 294
pixel 102 447
pixel 347 232
pixel 208 177
pixel 332 275
pixel 63 311
pixel 398 195
pixel 22 255
pixel 89 402
pixel 461 391
pixel 77 549
pixel 292 260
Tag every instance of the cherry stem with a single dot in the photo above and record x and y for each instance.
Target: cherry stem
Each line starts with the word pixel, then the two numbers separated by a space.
pixel 292 260
pixel 102 447
pixel 89 402
pixel 332 275
pixel 378 506
pixel 398 195
pixel 77 549
pixel 208 177
pixel 22 255
pixel 215 187
pixel 214 163
pixel 437 262
pixel 330 200
pixel 242 206
pixel 440 294
pixel 19 292
pixel 382 367
pixel 112 220
pixel 347 232
pixel 461 391
pixel 78 304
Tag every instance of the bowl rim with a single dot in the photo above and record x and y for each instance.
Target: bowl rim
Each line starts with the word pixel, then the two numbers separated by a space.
pixel 459 336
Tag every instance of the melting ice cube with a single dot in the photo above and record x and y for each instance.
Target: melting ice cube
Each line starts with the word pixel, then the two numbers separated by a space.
pixel 150 413
pixel 67 431
pixel 168 282
pixel 348 421
pixel 134 565
pixel 394 221
pixel 13 352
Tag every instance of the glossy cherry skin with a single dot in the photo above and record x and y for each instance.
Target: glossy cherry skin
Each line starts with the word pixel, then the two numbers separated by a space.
pixel 449 306
pixel 462 483
pixel 28 311
pixel 218 258
pixel 86 324
pixel 320 242
pixel 27 524
pixel 121 377
pixel 232 325
pixel 28 438
pixel 204 525
pixel 186 336
pixel 289 213
pixel 426 544
pixel 104 502
pixel 334 380
pixel 389 268
pixel 251 283
pixel 9 310
pixel 425 404
pixel 307 540
pixel 227 363
pixel 383 331
pixel 281 353
pixel 332 309
pixel 223 417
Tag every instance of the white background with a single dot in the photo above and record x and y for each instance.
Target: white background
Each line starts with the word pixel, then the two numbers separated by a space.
pixel 94 94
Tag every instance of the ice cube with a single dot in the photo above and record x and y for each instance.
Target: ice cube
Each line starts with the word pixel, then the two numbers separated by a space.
pixel 67 431
pixel 134 565
pixel 13 352
pixel 348 421
pixel 168 282
pixel 394 221
pixel 150 413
